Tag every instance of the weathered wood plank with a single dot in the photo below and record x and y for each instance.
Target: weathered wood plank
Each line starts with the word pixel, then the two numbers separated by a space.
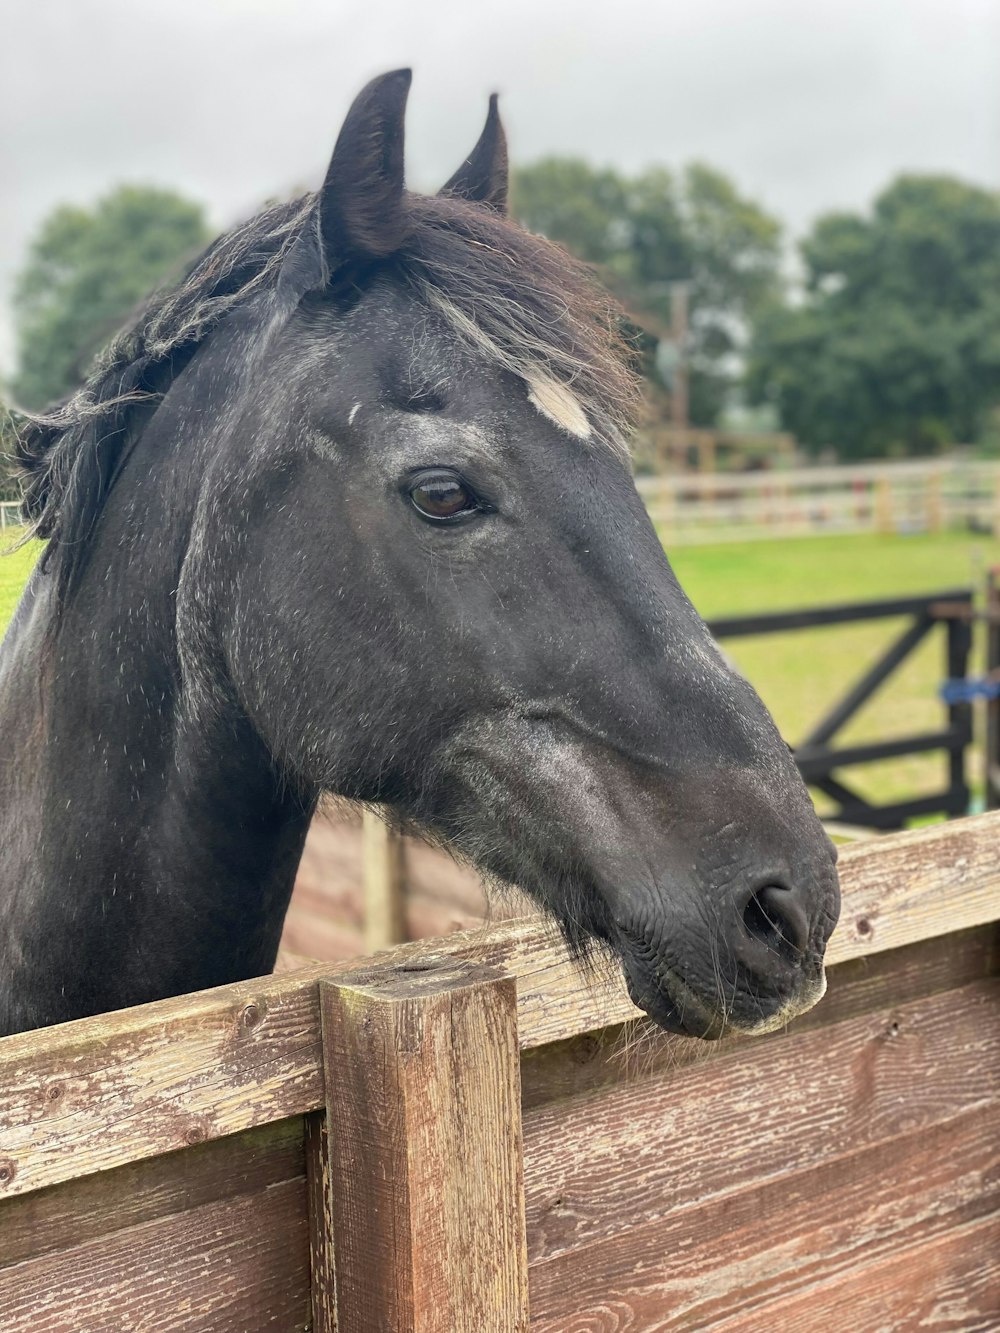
pixel 912 886
pixel 597 1166
pixel 321 938
pixel 765 1246
pixel 320 1203
pixel 583 1065
pixel 382 878
pixel 90 1095
pixel 240 1263
pixel 66 1215
pixel 425 1154
pixel 951 1283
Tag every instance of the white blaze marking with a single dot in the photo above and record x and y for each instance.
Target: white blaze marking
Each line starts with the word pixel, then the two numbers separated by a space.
pixel 353 413
pixel 557 403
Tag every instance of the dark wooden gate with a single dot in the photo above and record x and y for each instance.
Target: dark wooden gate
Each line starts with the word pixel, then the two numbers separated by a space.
pixel 817 755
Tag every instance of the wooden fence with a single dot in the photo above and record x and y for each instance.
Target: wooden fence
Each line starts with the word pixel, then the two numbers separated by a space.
pixel 454 1138
pixel 864 497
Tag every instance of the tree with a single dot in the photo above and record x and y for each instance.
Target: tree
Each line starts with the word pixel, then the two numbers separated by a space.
pixel 87 269
pixel 649 231
pixel 894 347
pixel 9 488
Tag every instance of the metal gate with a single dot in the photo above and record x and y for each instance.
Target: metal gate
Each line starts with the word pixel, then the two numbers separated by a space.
pixel 819 759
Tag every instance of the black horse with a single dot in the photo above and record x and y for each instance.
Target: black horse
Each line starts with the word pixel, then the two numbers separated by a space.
pixel 350 510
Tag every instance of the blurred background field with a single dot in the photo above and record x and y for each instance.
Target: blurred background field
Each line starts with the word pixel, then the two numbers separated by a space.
pixel 15 566
pixel 800 674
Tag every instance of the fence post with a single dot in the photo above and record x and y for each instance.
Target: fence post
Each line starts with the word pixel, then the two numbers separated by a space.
pixel 323 1294
pixel 959 645
pixel 883 505
pixel 935 511
pixel 382 883
pixel 992 737
pixel 425 1150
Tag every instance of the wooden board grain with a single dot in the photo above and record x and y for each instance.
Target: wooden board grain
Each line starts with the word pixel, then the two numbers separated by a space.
pixel 425 1155
pixel 323 1286
pixel 382 881
pixel 65 1215
pixel 91 1095
pixel 235 1263
pixel 763 1254
pixel 949 1285
pixel 582 1065
pixel 598 1166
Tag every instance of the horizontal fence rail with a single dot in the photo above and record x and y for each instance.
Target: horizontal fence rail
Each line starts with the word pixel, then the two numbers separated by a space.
pixel 94 1094
pixel 451 1138
pixel 847 498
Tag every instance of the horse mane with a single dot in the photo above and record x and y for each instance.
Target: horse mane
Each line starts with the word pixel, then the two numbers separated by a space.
pixel 513 296
pixel 68 457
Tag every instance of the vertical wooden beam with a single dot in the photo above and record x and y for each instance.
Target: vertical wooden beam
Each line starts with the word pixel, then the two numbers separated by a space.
pixel 324 1295
pixel 935 501
pixel 706 451
pixel 382 883
pixel 424 1116
pixel 884 522
pixel 991 745
pixel 959 646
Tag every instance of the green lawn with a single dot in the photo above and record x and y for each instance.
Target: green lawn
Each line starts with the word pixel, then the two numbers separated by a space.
pixel 15 566
pixel 800 674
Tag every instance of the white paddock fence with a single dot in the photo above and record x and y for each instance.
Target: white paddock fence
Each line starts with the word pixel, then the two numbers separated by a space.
pixel 10 514
pixel 864 497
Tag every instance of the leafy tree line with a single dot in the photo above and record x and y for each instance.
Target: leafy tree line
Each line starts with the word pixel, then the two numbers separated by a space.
pixel 889 344
pixel 87 269
pixel 894 347
pixel 9 489
pixel 650 231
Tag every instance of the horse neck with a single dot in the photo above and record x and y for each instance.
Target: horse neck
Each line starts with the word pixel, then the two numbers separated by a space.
pixel 156 845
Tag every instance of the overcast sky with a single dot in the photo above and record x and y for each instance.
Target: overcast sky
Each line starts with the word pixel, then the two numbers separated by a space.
pixel 809 104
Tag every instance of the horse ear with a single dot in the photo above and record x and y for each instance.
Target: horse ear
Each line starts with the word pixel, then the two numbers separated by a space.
pixel 482 177
pixel 362 211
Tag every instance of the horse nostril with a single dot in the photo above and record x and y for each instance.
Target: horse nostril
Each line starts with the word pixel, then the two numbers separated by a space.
pixel 775 916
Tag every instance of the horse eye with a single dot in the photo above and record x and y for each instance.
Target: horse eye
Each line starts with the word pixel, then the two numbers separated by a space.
pixel 442 496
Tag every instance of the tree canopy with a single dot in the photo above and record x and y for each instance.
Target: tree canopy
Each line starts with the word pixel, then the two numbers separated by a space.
pixel 656 228
pixel 895 345
pixel 891 344
pixel 86 271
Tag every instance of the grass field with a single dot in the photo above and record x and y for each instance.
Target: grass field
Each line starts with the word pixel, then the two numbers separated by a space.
pixel 800 674
pixel 15 566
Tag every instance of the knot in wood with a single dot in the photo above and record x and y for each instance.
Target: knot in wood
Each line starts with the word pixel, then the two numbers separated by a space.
pixel 8 1170
pixel 426 964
